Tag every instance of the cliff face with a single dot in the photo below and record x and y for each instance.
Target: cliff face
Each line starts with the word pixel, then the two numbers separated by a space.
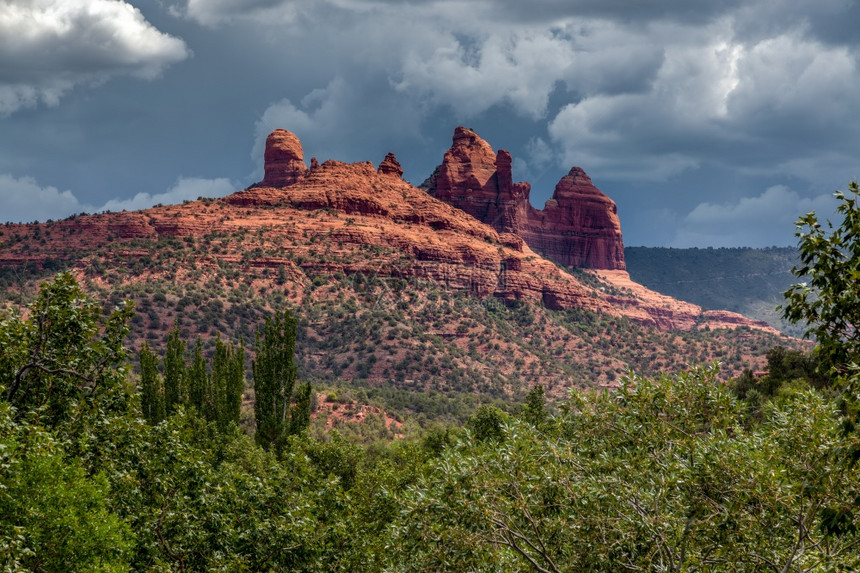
pixel 578 226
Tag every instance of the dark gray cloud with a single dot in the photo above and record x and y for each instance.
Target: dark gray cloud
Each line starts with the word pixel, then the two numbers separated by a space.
pixel 691 114
pixel 832 22
pixel 513 11
pixel 635 12
pixel 218 12
pixel 333 121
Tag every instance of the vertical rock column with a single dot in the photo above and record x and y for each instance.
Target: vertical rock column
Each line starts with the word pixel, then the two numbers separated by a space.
pixel 284 159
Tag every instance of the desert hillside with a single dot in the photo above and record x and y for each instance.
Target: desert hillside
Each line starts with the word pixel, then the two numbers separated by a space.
pixel 393 285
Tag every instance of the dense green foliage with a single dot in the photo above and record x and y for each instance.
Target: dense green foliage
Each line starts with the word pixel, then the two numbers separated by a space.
pixel 54 516
pixel 829 303
pixel 61 363
pixel 671 473
pixel 788 371
pixel 659 475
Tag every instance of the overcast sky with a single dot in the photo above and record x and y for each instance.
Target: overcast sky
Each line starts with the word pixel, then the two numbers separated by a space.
pixel 709 122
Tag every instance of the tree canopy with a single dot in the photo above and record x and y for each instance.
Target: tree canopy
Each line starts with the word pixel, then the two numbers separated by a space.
pixel 671 473
pixel 829 301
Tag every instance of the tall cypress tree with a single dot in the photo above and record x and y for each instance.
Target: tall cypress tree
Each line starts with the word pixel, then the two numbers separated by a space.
pixel 274 378
pixel 151 387
pixel 300 414
pixel 235 386
pixel 175 389
pixel 228 382
pixel 220 380
pixel 214 389
pixel 198 381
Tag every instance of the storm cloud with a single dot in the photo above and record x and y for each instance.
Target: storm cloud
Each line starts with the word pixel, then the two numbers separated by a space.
pixel 695 116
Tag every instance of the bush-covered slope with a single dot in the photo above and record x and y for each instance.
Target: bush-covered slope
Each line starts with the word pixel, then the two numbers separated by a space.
pixel 672 473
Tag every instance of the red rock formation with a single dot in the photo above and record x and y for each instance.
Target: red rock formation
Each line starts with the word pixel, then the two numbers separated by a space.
pixel 390 166
pixel 350 207
pixel 469 179
pixel 578 227
pixel 454 249
pixel 284 159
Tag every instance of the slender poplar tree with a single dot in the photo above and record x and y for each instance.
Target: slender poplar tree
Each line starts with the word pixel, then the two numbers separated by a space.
pixel 228 382
pixel 300 413
pixel 236 387
pixel 274 378
pixel 151 387
pixel 198 381
pixel 175 388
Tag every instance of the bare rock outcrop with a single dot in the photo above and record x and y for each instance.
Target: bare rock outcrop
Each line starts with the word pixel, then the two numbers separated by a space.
pixel 578 226
pixel 284 159
pixel 390 166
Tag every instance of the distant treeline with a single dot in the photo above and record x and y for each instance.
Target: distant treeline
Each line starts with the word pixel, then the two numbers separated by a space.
pixel 745 280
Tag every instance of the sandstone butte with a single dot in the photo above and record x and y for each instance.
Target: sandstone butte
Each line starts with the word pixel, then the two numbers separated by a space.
pixel 352 207
pixel 578 226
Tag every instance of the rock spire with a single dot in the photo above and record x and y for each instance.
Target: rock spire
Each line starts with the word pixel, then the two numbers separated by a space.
pixel 578 226
pixel 284 159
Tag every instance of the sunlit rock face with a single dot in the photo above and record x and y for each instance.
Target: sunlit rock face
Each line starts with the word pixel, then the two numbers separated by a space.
pixel 578 226
pixel 284 159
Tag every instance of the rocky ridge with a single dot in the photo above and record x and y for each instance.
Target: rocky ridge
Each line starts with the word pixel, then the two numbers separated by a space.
pixel 352 207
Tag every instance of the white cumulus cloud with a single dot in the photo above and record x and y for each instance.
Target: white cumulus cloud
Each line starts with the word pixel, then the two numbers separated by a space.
pixel 23 200
pixel 185 188
pixel 47 47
